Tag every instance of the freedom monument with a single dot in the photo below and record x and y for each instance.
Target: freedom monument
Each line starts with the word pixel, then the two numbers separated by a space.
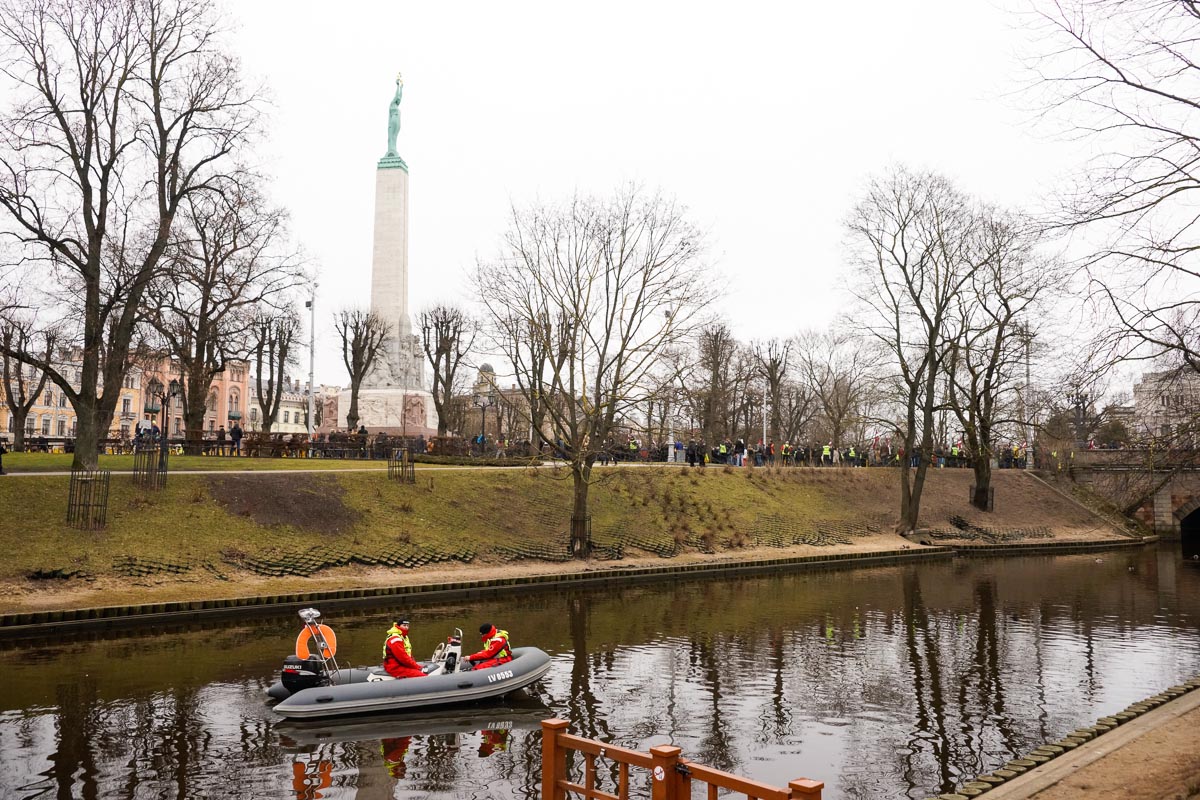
pixel 393 398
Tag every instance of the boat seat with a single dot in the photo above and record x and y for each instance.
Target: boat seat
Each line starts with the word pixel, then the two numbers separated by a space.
pixel 378 674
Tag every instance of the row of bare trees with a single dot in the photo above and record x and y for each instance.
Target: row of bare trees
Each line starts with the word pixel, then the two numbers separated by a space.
pixel 135 226
pixel 952 287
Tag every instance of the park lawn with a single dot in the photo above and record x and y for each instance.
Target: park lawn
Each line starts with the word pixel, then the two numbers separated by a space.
pixel 223 535
pixel 214 521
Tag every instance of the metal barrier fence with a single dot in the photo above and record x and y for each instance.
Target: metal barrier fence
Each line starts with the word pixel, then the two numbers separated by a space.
pixel 401 467
pixel 150 467
pixel 87 499
pixel 670 775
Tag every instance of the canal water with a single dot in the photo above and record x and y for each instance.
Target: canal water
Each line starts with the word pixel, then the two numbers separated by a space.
pixel 884 682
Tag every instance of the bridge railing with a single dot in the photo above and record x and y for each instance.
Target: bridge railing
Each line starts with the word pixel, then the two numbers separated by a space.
pixel 671 775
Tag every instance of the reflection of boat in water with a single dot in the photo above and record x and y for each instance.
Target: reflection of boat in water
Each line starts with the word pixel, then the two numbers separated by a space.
pixel 313 686
pixel 514 713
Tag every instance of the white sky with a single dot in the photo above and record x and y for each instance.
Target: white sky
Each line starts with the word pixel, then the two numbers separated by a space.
pixel 763 118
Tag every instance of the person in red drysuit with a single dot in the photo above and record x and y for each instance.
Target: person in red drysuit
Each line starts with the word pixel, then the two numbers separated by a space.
pixel 495 648
pixel 397 653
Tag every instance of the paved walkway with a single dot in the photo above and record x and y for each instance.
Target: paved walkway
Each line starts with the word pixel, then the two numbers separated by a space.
pixel 1154 757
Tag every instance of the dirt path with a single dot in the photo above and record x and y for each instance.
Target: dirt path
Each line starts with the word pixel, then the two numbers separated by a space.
pixel 1154 757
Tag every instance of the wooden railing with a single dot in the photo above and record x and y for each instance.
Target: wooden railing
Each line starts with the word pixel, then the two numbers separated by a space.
pixel 671 774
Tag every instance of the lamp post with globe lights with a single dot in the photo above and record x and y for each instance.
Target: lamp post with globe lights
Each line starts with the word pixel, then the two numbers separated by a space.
pixel 157 397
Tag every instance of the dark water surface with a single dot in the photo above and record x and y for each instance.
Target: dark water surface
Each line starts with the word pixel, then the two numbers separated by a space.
pixel 884 682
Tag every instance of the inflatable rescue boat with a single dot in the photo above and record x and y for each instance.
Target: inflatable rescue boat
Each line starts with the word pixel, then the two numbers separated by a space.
pixel 313 685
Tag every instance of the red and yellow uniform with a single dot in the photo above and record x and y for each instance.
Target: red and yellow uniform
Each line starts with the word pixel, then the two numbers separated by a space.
pixel 397 654
pixel 495 648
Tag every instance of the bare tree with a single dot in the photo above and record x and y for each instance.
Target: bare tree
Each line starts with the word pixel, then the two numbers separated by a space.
pixel 717 378
pixel 120 111
pixel 273 350
pixel 447 334
pixel 838 368
pixel 594 281
pixel 799 406
pixel 225 266
pixel 1128 74
pixel 912 238
pixel 363 335
pixel 987 343
pixel 20 391
pixel 772 359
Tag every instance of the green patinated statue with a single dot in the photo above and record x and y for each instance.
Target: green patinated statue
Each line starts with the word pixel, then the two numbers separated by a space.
pixel 394 118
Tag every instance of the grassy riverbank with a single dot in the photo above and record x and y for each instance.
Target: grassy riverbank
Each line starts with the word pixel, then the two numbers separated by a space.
pixel 238 534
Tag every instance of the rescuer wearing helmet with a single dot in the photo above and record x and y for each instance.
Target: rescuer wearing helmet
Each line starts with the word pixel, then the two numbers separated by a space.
pixel 495 648
pixel 397 653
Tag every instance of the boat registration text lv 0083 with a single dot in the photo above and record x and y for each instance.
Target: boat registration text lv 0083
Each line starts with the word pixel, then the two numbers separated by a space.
pixel 499 676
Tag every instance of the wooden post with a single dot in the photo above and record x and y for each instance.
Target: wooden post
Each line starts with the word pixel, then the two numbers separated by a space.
pixel 554 759
pixel 805 789
pixel 664 780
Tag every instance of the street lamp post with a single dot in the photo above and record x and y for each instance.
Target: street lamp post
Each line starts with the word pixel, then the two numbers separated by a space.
pixel 311 303
pixel 483 401
pixel 163 394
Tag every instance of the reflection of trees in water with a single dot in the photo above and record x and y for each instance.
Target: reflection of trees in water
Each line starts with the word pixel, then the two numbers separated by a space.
pixel 775 718
pixel 78 722
pixel 896 680
pixel 716 749
pixel 929 725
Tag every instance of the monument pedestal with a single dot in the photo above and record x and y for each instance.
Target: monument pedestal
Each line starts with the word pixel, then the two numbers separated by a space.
pixel 400 412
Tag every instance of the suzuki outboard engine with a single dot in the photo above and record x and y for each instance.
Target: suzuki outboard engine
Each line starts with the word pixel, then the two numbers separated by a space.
pixel 300 674
pixel 453 652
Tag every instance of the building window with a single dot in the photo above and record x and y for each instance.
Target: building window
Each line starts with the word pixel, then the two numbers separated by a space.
pixel 254 415
pixel 124 431
pixel 211 426
pixel 285 418
pixel 10 423
pixel 178 425
pixel 233 402
pixel 62 427
pixel 62 400
pixel 125 405
pixel 74 426
pixel 46 425
pixel 49 400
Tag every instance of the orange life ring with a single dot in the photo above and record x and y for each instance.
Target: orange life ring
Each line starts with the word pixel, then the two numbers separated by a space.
pixel 306 634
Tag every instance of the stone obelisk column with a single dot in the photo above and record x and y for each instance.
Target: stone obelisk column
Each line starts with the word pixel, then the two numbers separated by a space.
pixel 392 398
pixel 389 262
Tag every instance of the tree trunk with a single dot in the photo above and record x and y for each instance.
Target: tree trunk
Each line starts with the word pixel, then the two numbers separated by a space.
pixel 18 430
pixel 87 440
pixel 193 417
pixel 352 414
pixel 581 535
pixel 983 480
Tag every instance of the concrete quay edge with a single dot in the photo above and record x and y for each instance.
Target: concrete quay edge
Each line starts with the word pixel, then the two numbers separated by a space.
pixel 38 623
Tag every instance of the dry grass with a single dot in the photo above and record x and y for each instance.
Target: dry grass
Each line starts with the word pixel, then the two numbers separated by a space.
pixel 202 520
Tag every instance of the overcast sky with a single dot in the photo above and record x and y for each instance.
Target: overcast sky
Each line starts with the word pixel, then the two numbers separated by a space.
pixel 764 122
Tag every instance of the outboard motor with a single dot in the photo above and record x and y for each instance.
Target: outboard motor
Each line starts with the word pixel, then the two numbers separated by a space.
pixel 453 651
pixel 299 674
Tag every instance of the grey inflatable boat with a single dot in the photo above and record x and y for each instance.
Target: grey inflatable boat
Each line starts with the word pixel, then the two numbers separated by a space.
pixel 312 685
